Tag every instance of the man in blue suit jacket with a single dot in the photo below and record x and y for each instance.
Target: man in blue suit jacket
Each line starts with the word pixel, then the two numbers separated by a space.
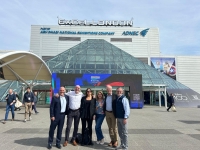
pixel 58 109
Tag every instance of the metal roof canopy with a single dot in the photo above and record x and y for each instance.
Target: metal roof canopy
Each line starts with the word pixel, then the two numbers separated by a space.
pixel 23 66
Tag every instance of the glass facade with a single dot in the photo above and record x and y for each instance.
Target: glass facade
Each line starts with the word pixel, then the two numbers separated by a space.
pixel 5 86
pixel 100 56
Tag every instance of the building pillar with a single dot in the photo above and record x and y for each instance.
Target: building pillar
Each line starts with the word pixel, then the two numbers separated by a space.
pixel 165 98
pixel 159 96
pixel 23 89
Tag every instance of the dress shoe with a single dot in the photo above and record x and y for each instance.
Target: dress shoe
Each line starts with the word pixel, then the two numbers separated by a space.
pixel 82 143
pixel 49 146
pixel 74 143
pixel 110 144
pixel 91 143
pixel 115 144
pixel 58 146
pixel 65 143
pixel 13 119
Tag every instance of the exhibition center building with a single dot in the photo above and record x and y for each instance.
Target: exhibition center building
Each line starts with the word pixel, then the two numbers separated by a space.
pixel 96 53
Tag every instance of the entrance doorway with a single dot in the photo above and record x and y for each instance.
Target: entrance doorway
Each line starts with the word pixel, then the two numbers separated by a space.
pixel 155 95
pixel 152 98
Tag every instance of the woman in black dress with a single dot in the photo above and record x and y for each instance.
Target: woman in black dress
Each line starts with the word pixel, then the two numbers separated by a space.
pixel 88 105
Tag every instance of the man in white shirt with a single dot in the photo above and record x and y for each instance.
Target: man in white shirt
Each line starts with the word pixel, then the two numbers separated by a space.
pixel 73 114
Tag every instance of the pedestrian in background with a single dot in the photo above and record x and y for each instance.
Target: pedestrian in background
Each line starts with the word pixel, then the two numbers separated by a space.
pixel 35 102
pixel 121 110
pixel 18 104
pixel 99 117
pixel 28 101
pixel 10 99
pixel 171 101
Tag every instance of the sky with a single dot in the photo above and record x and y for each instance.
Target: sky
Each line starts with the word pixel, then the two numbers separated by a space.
pixel 178 20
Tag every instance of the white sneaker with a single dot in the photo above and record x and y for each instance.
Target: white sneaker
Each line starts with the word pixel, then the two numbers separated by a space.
pixel 98 142
pixel 24 120
pixel 102 142
pixel 30 118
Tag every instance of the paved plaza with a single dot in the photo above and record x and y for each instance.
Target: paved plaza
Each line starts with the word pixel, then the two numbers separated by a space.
pixel 150 128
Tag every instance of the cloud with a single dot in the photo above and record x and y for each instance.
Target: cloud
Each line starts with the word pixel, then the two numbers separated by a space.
pixel 178 20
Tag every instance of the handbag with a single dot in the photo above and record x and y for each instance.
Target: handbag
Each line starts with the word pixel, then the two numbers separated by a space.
pixel 18 104
pixel 173 108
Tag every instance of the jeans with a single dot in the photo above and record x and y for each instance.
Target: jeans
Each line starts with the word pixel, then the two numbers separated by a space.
pixel 99 120
pixel 8 107
pixel 34 107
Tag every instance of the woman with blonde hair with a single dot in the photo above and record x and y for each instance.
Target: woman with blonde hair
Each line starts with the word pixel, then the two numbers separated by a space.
pixel 100 115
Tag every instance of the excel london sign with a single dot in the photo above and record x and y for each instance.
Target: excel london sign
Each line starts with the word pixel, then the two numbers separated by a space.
pixel 96 23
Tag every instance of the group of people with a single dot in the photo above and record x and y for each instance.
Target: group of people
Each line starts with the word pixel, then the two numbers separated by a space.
pixel 76 105
pixel 29 101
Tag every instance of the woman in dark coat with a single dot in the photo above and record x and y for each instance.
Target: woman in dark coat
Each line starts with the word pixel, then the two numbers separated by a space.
pixel 87 111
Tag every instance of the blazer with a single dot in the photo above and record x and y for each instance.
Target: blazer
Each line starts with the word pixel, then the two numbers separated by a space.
pixel 113 98
pixel 92 107
pixel 55 107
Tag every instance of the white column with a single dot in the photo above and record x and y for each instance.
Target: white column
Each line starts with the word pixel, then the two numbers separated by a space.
pixel 159 96
pixel 23 89
pixel 165 98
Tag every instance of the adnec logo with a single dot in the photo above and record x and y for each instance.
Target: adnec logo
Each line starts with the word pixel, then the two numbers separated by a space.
pixel 136 33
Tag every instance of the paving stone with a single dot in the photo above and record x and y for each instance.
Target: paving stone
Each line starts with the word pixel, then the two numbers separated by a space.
pixel 150 128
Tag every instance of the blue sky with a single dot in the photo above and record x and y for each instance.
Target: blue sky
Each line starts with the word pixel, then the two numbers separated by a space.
pixel 178 20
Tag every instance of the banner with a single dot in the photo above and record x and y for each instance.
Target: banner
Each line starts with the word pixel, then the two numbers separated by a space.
pixel 165 65
pixel 133 81
pixel 185 97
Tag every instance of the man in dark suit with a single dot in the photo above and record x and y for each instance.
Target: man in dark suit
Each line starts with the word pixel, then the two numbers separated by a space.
pixel 58 110
pixel 171 101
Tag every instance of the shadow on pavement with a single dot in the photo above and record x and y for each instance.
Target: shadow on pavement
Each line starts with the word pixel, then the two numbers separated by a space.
pixel 160 110
pixel 36 141
pixel 42 142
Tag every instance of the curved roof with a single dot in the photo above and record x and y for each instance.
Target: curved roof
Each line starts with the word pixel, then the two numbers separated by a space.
pixel 23 65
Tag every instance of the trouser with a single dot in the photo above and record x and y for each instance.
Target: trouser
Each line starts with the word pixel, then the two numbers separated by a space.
pixel 8 107
pixel 112 125
pixel 34 107
pixel 123 132
pixel 170 105
pixel 89 125
pixel 99 120
pixel 28 107
pixel 58 122
pixel 73 115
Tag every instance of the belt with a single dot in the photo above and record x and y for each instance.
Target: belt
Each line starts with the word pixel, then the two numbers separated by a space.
pixel 109 111
pixel 62 113
pixel 73 109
